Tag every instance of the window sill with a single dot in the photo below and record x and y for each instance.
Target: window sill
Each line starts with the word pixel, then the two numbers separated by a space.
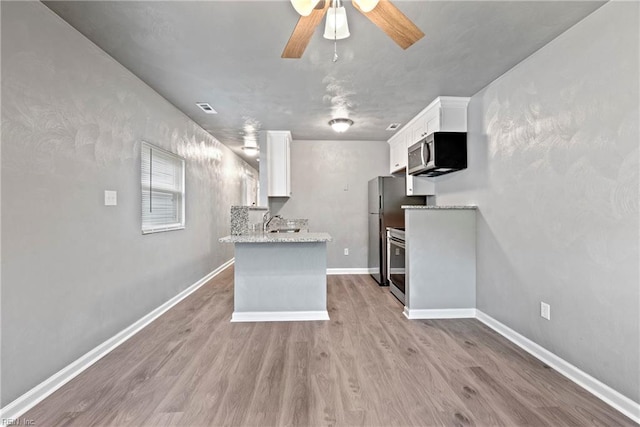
pixel 162 229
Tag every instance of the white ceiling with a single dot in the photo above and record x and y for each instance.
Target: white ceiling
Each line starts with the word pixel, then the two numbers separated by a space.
pixel 227 53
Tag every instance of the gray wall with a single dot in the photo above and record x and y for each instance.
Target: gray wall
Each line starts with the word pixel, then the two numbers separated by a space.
pixel 75 272
pixel 553 167
pixel 320 172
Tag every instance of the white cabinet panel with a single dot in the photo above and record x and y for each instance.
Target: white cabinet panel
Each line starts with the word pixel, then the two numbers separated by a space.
pixel 393 156
pixel 275 165
pixel 425 123
pixel 420 186
pixel 397 153
pixel 418 130
pixel 278 154
pixel 433 122
pixel 453 116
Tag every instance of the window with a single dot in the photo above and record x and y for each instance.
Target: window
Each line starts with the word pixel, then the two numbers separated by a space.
pixel 162 177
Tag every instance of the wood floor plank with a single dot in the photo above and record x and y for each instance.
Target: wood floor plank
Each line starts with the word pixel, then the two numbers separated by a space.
pixel 241 377
pixel 367 366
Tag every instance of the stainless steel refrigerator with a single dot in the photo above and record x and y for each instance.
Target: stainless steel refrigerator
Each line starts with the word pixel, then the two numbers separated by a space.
pixel 386 195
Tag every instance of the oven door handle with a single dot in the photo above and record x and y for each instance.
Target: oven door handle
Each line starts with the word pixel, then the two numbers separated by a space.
pixel 397 242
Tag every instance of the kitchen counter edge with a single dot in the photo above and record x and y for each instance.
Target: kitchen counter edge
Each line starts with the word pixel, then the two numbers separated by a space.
pixel 277 238
pixel 439 207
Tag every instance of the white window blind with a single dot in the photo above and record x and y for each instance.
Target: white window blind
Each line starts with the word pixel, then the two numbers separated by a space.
pixel 162 177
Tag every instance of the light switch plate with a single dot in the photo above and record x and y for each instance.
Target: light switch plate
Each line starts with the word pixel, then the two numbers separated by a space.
pixel 545 310
pixel 110 198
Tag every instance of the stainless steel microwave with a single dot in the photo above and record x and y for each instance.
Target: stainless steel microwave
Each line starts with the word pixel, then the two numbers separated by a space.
pixel 438 153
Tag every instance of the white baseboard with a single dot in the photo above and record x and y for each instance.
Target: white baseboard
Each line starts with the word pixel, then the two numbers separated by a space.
pixel 278 316
pixel 605 393
pixel 37 394
pixel 332 271
pixel 450 313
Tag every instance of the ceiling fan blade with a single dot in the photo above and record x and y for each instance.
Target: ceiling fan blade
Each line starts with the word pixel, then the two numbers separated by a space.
pixel 394 23
pixel 304 30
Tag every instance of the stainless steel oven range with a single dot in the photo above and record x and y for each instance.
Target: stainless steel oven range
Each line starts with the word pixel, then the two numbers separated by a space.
pixel 396 260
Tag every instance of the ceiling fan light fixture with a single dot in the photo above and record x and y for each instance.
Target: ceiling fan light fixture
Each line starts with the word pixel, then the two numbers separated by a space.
pixel 336 26
pixel 340 125
pixel 304 7
pixel 366 5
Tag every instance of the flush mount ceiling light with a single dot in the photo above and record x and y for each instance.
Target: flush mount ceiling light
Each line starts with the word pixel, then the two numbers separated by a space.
pixel 384 14
pixel 340 125
pixel 250 151
pixel 250 146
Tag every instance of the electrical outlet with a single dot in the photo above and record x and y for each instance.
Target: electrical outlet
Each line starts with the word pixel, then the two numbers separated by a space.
pixel 545 310
pixel 110 198
pixel 346 251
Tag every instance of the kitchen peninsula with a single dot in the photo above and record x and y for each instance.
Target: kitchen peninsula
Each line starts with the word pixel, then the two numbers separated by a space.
pixel 280 276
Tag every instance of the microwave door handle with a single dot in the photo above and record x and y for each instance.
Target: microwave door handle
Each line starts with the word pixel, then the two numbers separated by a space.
pixel 426 153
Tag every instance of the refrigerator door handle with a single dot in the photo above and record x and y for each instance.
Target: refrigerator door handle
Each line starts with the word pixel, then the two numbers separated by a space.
pixel 380 202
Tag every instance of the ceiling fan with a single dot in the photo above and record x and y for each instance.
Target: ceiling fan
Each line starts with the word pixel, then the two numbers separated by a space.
pixel 382 13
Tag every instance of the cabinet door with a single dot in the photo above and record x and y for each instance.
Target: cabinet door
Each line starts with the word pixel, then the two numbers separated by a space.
pixel 453 119
pixel 401 155
pixel 393 152
pixel 419 130
pixel 278 146
pixel 420 186
pixel 432 120
pixel 287 189
pixel 397 154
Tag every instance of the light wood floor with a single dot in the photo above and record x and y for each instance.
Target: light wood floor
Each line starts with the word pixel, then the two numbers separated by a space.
pixel 367 366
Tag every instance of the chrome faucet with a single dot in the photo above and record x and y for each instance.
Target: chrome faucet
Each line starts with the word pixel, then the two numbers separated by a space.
pixel 266 220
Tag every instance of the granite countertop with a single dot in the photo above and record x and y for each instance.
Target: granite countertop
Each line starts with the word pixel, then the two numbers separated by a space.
pixel 303 237
pixel 439 207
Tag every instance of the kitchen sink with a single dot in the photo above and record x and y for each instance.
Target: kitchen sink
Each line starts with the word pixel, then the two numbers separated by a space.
pixel 285 230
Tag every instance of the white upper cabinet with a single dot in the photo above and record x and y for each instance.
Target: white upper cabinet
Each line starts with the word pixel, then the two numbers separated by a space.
pixel 397 153
pixel 275 164
pixel 444 114
pixel 452 114
pixel 279 154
